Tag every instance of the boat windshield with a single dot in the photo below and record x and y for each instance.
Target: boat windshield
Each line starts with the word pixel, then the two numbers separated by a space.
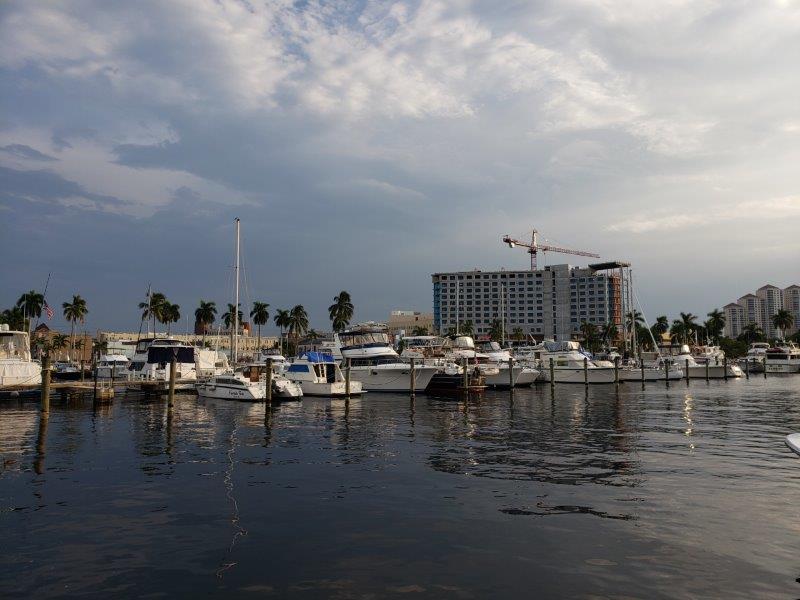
pixel 364 339
pixel 14 345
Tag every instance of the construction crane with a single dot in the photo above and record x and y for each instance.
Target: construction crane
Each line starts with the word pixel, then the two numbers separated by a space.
pixel 535 247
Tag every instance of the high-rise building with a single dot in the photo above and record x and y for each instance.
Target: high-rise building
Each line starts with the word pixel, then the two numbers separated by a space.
pixel 759 308
pixel 547 303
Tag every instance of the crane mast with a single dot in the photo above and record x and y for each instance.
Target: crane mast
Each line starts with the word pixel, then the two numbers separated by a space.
pixel 535 247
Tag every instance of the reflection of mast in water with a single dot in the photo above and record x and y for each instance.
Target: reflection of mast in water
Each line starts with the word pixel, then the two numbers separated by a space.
pixel 41 442
pixel 239 531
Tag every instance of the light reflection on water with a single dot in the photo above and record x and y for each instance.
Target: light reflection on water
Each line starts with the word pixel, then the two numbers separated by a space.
pixel 656 493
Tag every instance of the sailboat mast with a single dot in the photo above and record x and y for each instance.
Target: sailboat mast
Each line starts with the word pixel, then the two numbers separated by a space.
pixel 235 348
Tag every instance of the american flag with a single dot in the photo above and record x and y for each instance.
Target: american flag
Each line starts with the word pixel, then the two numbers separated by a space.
pixel 48 310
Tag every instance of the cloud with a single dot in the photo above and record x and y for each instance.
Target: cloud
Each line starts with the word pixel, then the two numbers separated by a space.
pixel 26 152
pixel 46 187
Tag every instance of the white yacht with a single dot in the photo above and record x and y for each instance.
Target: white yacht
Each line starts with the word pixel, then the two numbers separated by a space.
pixel 16 366
pixel 115 365
pixel 523 375
pixel 654 372
pixel 755 356
pixel 153 356
pixel 463 347
pixel 569 362
pixel 783 358
pixel 247 383
pixel 319 375
pixel 376 364
pixel 713 365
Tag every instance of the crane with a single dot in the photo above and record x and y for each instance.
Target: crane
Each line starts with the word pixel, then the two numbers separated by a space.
pixel 534 247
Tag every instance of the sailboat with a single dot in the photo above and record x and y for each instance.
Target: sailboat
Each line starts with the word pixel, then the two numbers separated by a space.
pixel 248 383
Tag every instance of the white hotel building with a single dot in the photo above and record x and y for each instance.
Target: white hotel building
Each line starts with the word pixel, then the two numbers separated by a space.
pixel 548 303
pixel 760 307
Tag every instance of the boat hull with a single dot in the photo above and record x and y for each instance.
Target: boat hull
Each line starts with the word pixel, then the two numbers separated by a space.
pixel 650 374
pixel 569 375
pixel 19 373
pixel 381 378
pixel 328 390
pixel 715 372
pixel 782 368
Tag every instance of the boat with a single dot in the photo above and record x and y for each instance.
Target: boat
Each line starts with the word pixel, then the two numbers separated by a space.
pixel 523 375
pixel 17 368
pixel 376 364
pixel 654 372
pixel 65 370
pixel 248 383
pixel 784 357
pixel 113 365
pixel 319 375
pixel 754 359
pixel 153 358
pixel 793 441
pixel 714 367
pixel 462 348
pixel 571 364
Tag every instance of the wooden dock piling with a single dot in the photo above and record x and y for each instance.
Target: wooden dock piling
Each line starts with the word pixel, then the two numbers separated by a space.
pixel 616 371
pixel 707 370
pixel 552 375
pixel 268 391
pixel 465 369
pixel 725 368
pixel 666 372
pixel 347 378
pixel 173 367
pixel 413 378
pixel 585 371
pixel 687 371
pixel 511 373
pixel 46 385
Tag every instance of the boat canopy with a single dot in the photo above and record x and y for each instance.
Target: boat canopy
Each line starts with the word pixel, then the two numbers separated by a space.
pixel 165 354
pixel 317 357
pixel 14 344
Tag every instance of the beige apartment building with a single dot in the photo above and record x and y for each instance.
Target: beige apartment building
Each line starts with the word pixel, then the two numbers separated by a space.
pixel 408 321
pixel 759 308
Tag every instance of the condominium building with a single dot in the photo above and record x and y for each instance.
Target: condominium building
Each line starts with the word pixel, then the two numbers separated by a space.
pixel 547 303
pixel 759 308
pixel 409 321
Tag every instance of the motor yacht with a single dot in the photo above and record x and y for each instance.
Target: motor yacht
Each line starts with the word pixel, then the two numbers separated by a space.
pixel 571 364
pixel 153 357
pixel 462 348
pixel 754 359
pixel 320 375
pixel 376 364
pixel 16 366
pixel 113 365
pixel 523 375
pixel 248 383
pixel 784 357
pixel 714 365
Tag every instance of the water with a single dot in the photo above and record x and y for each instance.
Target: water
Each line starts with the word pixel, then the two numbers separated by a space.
pixel 663 493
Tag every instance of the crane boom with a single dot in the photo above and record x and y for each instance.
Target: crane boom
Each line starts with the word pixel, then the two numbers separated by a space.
pixel 534 247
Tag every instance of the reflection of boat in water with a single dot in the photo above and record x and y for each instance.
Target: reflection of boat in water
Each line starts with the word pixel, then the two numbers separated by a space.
pixel 319 375
pixel 16 365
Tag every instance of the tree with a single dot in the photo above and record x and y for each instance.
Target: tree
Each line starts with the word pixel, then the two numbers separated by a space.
pixel 633 318
pixel 31 304
pixel 689 325
pixel 230 316
pixel 751 332
pixel 170 313
pixel 715 324
pixel 15 319
pixel 73 312
pixel 608 332
pixel 783 320
pixel 298 321
pixel 282 321
pixel 260 316
pixel 660 327
pixel 467 328
pixel 205 315
pixel 153 308
pixel 518 334
pixel 590 338
pixel 419 330
pixel 496 330
pixel 99 347
pixel 341 311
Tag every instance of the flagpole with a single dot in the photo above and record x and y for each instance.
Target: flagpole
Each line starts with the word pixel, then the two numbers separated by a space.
pixel 44 299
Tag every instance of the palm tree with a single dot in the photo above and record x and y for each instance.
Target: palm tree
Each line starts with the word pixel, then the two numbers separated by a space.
pixel 715 324
pixel 660 327
pixel 496 330
pixel 632 319
pixel 419 330
pixel 282 321
pixel 341 311
pixel 31 304
pixel 229 317
pixel 58 342
pixel 688 320
pixel 751 332
pixel 518 334
pixel 589 331
pixel 74 311
pixel 260 316
pixel 783 320
pixel 15 318
pixel 298 321
pixel 153 308
pixel 170 313
pixel 99 348
pixel 467 328
pixel 608 332
pixel 205 315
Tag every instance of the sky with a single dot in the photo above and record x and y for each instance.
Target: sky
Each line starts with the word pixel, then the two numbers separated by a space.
pixel 366 145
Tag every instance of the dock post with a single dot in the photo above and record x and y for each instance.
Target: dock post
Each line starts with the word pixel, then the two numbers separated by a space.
pixel 83 365
pixel 511 374
pixel 642 368
pixel 347 378
pixel 552 376
pixel 687 371
pixel 113 373
pixel 616 371
pixel 413 378
pixel 173 367
pixel 666 372
pixel 94 378
pixel 465 369
pixel 747 368
pixel 585 371
pixel 46 385
pixel 707 369
pixel 765 367
pixel 268 391
pixel 725 367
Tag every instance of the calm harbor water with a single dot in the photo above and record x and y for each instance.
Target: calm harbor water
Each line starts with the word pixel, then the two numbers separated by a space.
pixel 662 493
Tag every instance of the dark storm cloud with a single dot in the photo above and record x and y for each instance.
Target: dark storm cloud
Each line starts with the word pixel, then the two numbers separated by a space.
pixel 26 152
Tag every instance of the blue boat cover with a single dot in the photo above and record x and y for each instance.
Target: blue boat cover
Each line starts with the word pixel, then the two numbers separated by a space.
pixel 318 357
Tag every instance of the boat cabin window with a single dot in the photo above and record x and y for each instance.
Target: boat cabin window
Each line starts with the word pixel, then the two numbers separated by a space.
pixel 298 369
pixel 364 339
pixel 164 354
pixel 13 345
